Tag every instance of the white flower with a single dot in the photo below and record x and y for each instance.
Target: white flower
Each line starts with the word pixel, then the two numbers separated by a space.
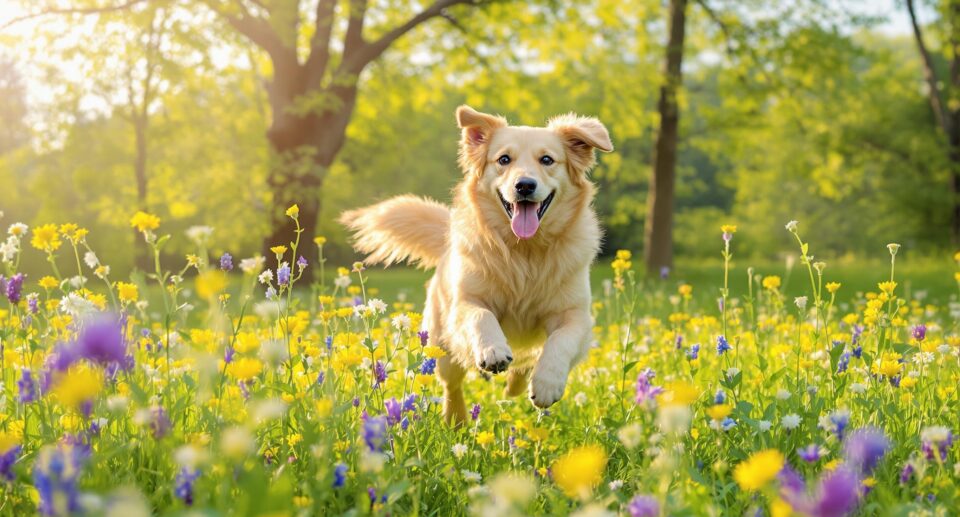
pixel 764 425
pixel 615 485
pixel 513 488
pixel 630 435
pixel 782 394
pixel 17 230
pixel 266 277
pixel 190 456
pixel 9 249
pixel 342 281
pixel 935 434
pixel 269 409
pixel 893 248
pixel 732 372
pixel 401 322
pixel 90 258
pixel 470 476
pixel 674 419
pixel 237 442
pixel 580 398
pixel 76 305
pixel 791 226
pixel 801 302
pixel 372 462
pixel 944 349
pixel 377 306
pixel 858 388
pixel 593 510
pixel 199 234
pixel 459 450
pixel 117 403
pixel 251 265
pixel 791 421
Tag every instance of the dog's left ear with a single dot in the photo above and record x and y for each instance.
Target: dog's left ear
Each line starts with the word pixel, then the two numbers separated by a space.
pixel 581 135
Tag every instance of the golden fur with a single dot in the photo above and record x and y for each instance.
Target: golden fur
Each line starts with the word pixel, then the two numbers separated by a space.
pixel 497 300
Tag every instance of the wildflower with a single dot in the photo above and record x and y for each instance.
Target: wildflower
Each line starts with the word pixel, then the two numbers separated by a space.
pixel 17 230
pixel 685 290
pixel 46 238
pixel 801 302
pixel 339 475
pixel 79 385
pixel 646 393
pixel 759 469
pixel 394 411
pixel 424 338
pixel 293 212
pixel 278 251
pixel 893 248
pixel 771 282
pixel 837 494
pixel 843 363
pixel 719 412
pixel 144 222
pixel 475 412
pixel 374 432
pixel 643 506
pixel 728 424
pixel 127 292
pixel 237 443
pixel 26 387
pixel 428 365
pixel 887 287
pixel 377 305
pixel 836 422
pixel 864 448
pixel 183 484
pixel 484 438
pixel 10 449
pixel 764 425
pixel 56 473
pixel 693 352
pixel 832 287
pixel 245 368
pixel 459 450
pixel 580 470
pixel 728 230
pixel 226 262
pixel 630 435
pixel 101 341
pixel 14 288
pixel 722 345
pixel 936 439
pixel 580 399
pixel 919 332
pixel 320 240
pixel 379 373
pixel 265 277
pixel 283 274
pixel 720 397
pixel 302 263
pixel 791 421
pixel 810 453
pixel 791 226
pixel 906 473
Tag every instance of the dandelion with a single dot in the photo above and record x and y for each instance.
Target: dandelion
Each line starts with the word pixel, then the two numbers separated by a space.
pixel 759 469
pixel 278 251
pixel 144 222
pixel 245 368
pixel 579 471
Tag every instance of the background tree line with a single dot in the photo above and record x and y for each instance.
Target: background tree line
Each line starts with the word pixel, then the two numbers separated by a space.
pixel 223 112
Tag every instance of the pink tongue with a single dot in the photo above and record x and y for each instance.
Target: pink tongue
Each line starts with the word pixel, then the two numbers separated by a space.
pixel 525 221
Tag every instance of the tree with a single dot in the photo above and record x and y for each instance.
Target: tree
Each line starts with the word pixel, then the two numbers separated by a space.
pixel 943 94
pixel 312 91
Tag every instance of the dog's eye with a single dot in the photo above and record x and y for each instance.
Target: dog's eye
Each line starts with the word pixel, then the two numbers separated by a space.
pixel 503 160
pixel 546 160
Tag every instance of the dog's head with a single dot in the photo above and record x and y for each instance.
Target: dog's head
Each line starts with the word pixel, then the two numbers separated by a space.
pixel 529 171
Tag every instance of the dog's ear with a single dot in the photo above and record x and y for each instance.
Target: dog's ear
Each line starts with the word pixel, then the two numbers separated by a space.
pixel 581 135
pixel 477 129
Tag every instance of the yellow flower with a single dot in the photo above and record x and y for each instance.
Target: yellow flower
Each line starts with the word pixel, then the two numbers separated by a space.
pixel 78 385
pixel 759 469
pixel 729 228
pixel 244 368
pixel 771 282
pixel 624 254
pixel 423 380
pixel 678 394
pixel 210 283
pixel 580 470
pixel 956 256
pixel 144 222
pixel 908 382
pixel 319 240
pixel 324 407
pixel 434 351
pixel 719 411
pixel 8 441
pixel 539 434
pixel 484 438
pixel 887 287
pixel 293 211
pixel 685 289
pixel 279 250
pixel 832 287
pixel 127 292
pixel 48 282
pixel 46 238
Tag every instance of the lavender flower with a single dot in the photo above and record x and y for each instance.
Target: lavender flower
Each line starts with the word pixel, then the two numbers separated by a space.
pixel 328 341
pixel 302 263
pixel 936 442
pixel 838 494
pixel 646 392
pixel 722 345
pixel 920 332
pixel 720 397
pixel 475 412
pixel 379 373
pixel 339 475
pixel 394 411
pixel 228 355
pixel 864 448
pixel 664 272
pixel 694 352
pixel 374 432
pixel 8 459
pixel 183 485
pixel 55 476
pixel 644 506
pixel 160 423
pixel 226 262
pixel 101 341
pixel 428 366
pixel 283 274
pixel 33 303
pixel 26 387
pixel 843 363
pixel 424 337
pixel 14 288
pixel 906 473
pixel 810 453
pixel 410 403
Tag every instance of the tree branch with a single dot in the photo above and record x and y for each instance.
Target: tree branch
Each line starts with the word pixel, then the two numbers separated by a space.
pixel 78 10
pixel 358 59
pixel 319 56
pixel 724 28
pixel 929 73
pixel 257 30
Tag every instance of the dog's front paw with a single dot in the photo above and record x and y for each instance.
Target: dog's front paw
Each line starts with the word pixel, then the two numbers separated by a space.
pixel 494 358
pixel 546 388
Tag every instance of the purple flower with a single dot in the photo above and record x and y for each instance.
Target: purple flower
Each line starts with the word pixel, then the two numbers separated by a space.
pixel 394 411
pixel 328 341
pixel 727 237
pixel 836 495
pixel 14 288
pixel 183 485
pixel 728 424
pixel 664 272
pixel 101 341
pixel 228 355
pixel 8 459
pixel 302 263
pixel 920 332
pixel 424 337
pixel 723 345
pixel 906 473
pixel 810 453
pixel 843 363
pixel 379 373
pixel 410 403
pixel 838 421
pixel 428 366
pixel 160 423
pixel 283 274
pixel 33 304
pixel 55 476
pixel 339 475
pixel 646 392
pixel 226 262
pixel 26 387
pixel 720 397
pixel 936 442
pixel 864 448
pixel 475 412
pixel 694 352
pixel 644 506
pixel 374 432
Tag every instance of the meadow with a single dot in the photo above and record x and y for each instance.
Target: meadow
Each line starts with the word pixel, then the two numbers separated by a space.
pixel 231 387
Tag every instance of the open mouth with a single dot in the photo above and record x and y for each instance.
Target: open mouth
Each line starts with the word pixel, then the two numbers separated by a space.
pixel 525 215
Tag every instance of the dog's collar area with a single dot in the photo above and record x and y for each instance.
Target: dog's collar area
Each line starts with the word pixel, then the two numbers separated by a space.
pixel 508 207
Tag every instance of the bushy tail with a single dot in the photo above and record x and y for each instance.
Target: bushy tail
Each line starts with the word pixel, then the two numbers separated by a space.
pixel 403 228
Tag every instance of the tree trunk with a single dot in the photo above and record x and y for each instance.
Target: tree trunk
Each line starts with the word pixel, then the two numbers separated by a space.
pixel 141 253
pixel 658 235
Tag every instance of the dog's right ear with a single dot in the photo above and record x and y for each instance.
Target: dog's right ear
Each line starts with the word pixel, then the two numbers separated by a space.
pixel 477 129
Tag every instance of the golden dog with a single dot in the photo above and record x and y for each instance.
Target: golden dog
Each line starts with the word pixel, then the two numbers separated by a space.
pixel 512 255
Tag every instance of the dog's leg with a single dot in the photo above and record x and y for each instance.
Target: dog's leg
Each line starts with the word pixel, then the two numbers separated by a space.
pixel 479 329
pixel 451 375
pixel 568 336
pixel 517 381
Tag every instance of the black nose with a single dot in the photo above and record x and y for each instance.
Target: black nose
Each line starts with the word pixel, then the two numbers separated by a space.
pixel 526 186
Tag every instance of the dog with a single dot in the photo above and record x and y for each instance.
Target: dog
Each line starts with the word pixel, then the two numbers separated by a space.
pixel 512 255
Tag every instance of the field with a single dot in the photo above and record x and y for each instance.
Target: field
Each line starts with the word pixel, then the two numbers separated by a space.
pixel 235 387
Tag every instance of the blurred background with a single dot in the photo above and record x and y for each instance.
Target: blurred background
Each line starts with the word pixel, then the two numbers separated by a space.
pixel 844 115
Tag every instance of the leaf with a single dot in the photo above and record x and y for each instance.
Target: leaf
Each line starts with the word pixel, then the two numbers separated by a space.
pixel 629 366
